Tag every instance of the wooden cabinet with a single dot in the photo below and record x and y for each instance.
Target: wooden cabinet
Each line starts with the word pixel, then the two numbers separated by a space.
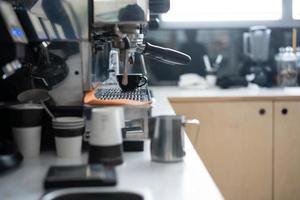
pixel 250 147
pixel 235 143
pixel 287 151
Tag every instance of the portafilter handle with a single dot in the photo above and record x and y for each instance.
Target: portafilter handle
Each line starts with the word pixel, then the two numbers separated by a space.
pixel 166 55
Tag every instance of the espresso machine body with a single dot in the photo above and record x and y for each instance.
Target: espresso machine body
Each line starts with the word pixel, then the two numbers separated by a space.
pixel 70 40
pixel 65 37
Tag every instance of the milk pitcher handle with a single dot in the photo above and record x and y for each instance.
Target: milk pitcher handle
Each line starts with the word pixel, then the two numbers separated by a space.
pixel 191 121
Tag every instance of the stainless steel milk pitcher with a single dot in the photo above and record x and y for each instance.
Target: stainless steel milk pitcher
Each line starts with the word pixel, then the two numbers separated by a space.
pixel 167 137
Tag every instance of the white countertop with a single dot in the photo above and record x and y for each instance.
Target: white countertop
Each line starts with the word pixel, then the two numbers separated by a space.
pixel 173 91
pixel 188 180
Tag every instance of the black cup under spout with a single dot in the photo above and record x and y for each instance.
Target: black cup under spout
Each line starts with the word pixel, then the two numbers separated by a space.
pixel 134 81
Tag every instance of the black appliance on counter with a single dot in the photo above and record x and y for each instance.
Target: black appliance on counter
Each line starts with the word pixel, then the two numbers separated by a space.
pixel 256 45
pixel 10 157
pixel 12 41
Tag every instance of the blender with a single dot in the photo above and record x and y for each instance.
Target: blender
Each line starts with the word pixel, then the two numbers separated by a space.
pixel 256 44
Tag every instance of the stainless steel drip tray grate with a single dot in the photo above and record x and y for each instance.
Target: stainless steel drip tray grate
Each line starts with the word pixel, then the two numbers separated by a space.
pixel 140 94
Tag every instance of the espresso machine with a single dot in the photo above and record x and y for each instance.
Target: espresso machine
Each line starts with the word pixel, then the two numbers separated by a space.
pixel 121 26
pixel 68 42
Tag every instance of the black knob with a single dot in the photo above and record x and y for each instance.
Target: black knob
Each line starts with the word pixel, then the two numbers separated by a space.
pixel 262 111
pixel 284 111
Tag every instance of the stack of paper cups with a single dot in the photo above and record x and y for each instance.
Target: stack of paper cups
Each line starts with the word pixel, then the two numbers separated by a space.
pixel 106 135
pixel 68 133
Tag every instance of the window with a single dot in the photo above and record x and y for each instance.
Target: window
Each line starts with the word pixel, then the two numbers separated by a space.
pixel 296 9
pixel 225 10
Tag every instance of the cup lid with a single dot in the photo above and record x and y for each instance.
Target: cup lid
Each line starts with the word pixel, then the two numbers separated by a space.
pixel 68 120
pixel 68 127
pixel 26 106
pixel 67 124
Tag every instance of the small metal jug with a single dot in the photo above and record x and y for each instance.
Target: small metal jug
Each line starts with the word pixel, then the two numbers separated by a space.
pixel 167 137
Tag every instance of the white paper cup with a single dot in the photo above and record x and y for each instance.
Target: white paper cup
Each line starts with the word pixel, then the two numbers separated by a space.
pixel 26 122
pixel 106 136
pixel 68 133
pixel 68 147
pixel 28 140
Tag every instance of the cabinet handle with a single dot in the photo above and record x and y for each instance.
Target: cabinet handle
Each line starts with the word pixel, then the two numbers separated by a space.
pixel 262 111
pixel 284 111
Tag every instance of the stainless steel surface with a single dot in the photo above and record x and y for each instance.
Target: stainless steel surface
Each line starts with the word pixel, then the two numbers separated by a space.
pixel 67 21
pixel 70 90
pixel 143 64
pixel 93 194
pixel 134 134
pixel 167 138
pixel 81 11
pixel 86 64
pixel 137 116
pixel 117 24
pixel 121 24
pixel 69 17
pixel 120 12
pixel 70 21
pixel 125 70
pixel 78 79
pixel 113 93
pixel 113 67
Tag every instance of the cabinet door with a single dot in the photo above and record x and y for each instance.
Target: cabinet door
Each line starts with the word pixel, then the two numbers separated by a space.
pixel 235 143
pixel 287 151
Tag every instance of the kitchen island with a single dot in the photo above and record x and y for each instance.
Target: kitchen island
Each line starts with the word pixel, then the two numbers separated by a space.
pixel 188 180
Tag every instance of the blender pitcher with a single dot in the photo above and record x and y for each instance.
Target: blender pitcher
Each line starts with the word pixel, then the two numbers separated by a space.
pixel 256 43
